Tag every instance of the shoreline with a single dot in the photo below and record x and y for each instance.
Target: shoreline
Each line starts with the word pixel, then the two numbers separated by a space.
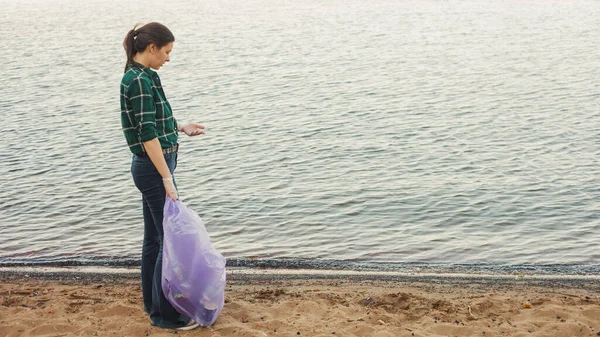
pixel 327 264
pixel 81 273
pixel 259 303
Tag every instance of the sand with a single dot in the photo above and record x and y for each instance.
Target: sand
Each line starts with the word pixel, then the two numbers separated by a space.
pixel 305 305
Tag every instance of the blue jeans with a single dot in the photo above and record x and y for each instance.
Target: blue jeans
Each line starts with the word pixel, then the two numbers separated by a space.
pixel 149 182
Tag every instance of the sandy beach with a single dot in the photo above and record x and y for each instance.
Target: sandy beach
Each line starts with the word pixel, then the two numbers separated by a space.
pixel 269 304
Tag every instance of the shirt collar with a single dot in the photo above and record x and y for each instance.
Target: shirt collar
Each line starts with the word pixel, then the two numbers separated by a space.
pixel 147 70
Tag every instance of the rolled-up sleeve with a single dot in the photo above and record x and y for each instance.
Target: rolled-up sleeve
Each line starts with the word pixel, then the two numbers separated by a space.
pixel 144 109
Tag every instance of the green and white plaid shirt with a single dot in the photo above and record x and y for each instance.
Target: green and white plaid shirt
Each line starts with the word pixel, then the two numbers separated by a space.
pixel 145 112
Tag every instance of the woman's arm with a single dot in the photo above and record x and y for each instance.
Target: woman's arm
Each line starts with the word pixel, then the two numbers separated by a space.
pixel 142 102
pixel 154 151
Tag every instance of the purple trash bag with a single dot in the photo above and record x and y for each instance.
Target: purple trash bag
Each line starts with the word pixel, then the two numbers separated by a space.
pixel 193 272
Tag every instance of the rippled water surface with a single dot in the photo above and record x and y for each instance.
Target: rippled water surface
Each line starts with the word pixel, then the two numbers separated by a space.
pixel 384 131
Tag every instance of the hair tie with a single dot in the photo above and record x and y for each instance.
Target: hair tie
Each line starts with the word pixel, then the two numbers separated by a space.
pixel 135 32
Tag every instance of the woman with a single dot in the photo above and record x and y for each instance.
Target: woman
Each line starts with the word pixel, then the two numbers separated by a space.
pixel 151 133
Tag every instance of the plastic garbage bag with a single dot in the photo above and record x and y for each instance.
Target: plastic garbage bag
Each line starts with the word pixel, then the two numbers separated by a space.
pixel 193 272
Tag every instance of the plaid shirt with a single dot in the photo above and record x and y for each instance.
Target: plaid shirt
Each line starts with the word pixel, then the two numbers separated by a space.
pixel 145 112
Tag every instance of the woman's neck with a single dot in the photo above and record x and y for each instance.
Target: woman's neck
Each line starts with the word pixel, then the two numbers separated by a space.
pixel 142 59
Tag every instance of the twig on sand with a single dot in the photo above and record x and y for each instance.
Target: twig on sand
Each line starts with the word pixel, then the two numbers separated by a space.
pixel 471 314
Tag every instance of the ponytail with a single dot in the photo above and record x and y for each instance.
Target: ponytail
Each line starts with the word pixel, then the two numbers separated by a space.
pixel 129 45
pixel 137 40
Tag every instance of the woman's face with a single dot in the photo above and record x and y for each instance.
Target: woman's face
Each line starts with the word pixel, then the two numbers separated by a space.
pixel 160 55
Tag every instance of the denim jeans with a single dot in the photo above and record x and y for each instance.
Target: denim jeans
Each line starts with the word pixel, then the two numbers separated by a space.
pixel 149 182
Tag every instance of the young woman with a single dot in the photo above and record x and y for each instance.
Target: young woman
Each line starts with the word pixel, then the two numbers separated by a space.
pixel 151 133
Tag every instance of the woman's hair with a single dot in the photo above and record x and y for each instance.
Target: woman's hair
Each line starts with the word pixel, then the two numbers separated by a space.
pixel 138 39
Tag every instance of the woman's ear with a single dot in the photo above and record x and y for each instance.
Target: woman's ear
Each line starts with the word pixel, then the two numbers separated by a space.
pixel 151 48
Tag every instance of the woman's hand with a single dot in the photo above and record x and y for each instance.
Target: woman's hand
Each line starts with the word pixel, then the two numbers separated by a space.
pixel 192 129
pixel 170 188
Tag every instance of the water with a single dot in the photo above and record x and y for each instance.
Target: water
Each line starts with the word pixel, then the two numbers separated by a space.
pixel 391 132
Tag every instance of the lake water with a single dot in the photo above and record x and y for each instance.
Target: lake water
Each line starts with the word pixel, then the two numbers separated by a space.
pixel 393 132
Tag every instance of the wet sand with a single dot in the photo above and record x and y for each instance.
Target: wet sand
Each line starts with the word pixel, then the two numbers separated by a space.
pixel 310 303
